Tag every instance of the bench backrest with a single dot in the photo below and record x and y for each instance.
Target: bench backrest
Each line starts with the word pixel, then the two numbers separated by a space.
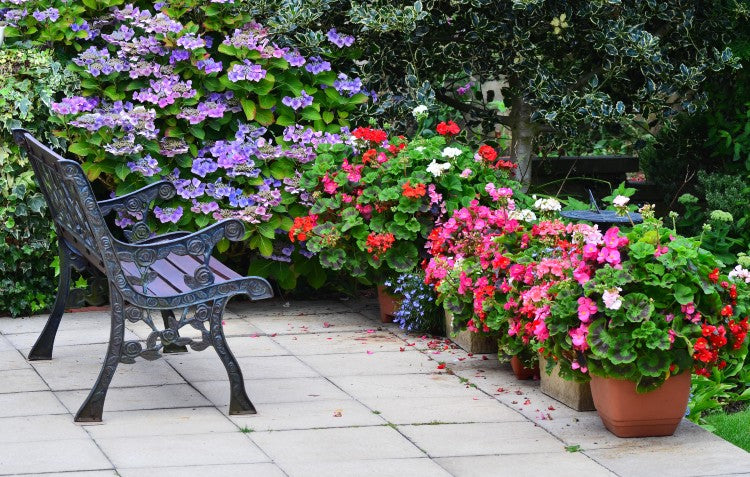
pixel 70 199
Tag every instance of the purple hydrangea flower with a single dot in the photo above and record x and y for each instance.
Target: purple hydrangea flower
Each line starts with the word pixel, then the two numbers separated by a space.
pixel 124 146
pixel 209 65
pixel 178 55
pixel 74 105
pixel 189 188
pixel 294 58
pixel 51 14
pixel 317 65
pixel 147 166
pixel 203 166
pixel 246 71
pixel 168 214
pixel 190 41
pixel 302 101
pixel 339 40
pixel 172 146
pixel 349 86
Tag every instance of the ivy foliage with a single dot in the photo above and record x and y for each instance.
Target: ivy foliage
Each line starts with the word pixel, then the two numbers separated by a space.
pixel 31 77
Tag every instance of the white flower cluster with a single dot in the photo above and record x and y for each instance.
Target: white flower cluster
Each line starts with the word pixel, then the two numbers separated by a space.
pixel 437 169
pixel 741 273
pixel 621 201
pixel 451 152
pixel 612 299
pixel 525 215
pixel 420 111
pixel 548 205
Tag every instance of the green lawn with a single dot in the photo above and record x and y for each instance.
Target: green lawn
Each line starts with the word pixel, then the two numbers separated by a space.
pixel 732 427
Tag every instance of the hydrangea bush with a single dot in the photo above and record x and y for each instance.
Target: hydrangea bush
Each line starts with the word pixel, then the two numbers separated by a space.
pixel 199 93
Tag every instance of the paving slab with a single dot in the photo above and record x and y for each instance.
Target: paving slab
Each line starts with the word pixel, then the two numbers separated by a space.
pixel 486 438
pixel 5 345
pixel 312 323
pixel 411 467
pixel 558 464
pixel 32 429
pixel 253 367
pixel 181 450
pixel 141 397
pixel 29 404
pixel 340 342
pixel 453 409
pixel 279 307
pixel 51 456
pixel 367 389
pixel 80 372
pixel 273 390
pixel 68 337
pixel 327 445
pixel 21 380
pixel 230 470
pixel 162 422
pixel 370 363
pixel 12 359
pixel 322 413
pixel 87 320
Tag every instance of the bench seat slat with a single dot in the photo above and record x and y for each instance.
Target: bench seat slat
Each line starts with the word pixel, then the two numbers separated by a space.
pixel 170 273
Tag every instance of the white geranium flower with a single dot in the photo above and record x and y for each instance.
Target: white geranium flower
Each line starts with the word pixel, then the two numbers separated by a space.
pixel 612 299
pixel 420 111
pixel 740 273
pixel 524 215
pixel 419 148
pixel 621 201
pixel 437 169
pixel 548 205
pixel 451 152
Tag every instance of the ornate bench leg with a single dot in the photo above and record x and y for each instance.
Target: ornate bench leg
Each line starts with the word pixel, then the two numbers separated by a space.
pixel 239 403
pixel 42 349
pixel 91 410
pixel 170 322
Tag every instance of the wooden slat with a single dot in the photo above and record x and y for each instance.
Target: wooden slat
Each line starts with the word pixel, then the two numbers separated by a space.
pixel 188 265
pixel 158 287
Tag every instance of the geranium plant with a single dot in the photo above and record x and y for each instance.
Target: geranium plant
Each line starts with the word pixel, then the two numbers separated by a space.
pixel 645 305
pixel 493 268
pixel 376 200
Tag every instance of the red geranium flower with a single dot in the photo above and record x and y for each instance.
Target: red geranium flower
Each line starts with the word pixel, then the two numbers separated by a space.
pixel 488 153
pixel 369 134
pixel 414 192
pixel 448 129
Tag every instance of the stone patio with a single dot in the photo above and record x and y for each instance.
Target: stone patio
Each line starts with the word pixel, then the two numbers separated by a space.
pixel 338 394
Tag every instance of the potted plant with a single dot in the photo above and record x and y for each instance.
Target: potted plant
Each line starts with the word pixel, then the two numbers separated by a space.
pixel 483 267
pixel 637 314
pixel 376 199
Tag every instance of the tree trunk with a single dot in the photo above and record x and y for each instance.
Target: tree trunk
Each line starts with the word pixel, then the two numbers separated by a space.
pixel 522 140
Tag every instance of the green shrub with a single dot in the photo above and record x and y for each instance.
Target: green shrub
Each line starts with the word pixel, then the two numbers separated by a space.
pixel 31 77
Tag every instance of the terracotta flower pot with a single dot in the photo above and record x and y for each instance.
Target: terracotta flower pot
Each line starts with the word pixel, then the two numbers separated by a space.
pixel 627 413
pixel 388 304
pixel 522 372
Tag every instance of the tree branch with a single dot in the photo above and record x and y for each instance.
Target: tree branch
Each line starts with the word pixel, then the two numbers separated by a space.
pixel 468 108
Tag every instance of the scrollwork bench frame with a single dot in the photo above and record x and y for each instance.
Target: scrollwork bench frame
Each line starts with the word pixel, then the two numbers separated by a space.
pixel 148 274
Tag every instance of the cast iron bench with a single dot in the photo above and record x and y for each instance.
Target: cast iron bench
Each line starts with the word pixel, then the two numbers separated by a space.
pixel 164 273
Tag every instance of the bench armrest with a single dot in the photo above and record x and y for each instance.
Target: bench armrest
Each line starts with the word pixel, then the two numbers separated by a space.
pixel 198 244
pixel 137 205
